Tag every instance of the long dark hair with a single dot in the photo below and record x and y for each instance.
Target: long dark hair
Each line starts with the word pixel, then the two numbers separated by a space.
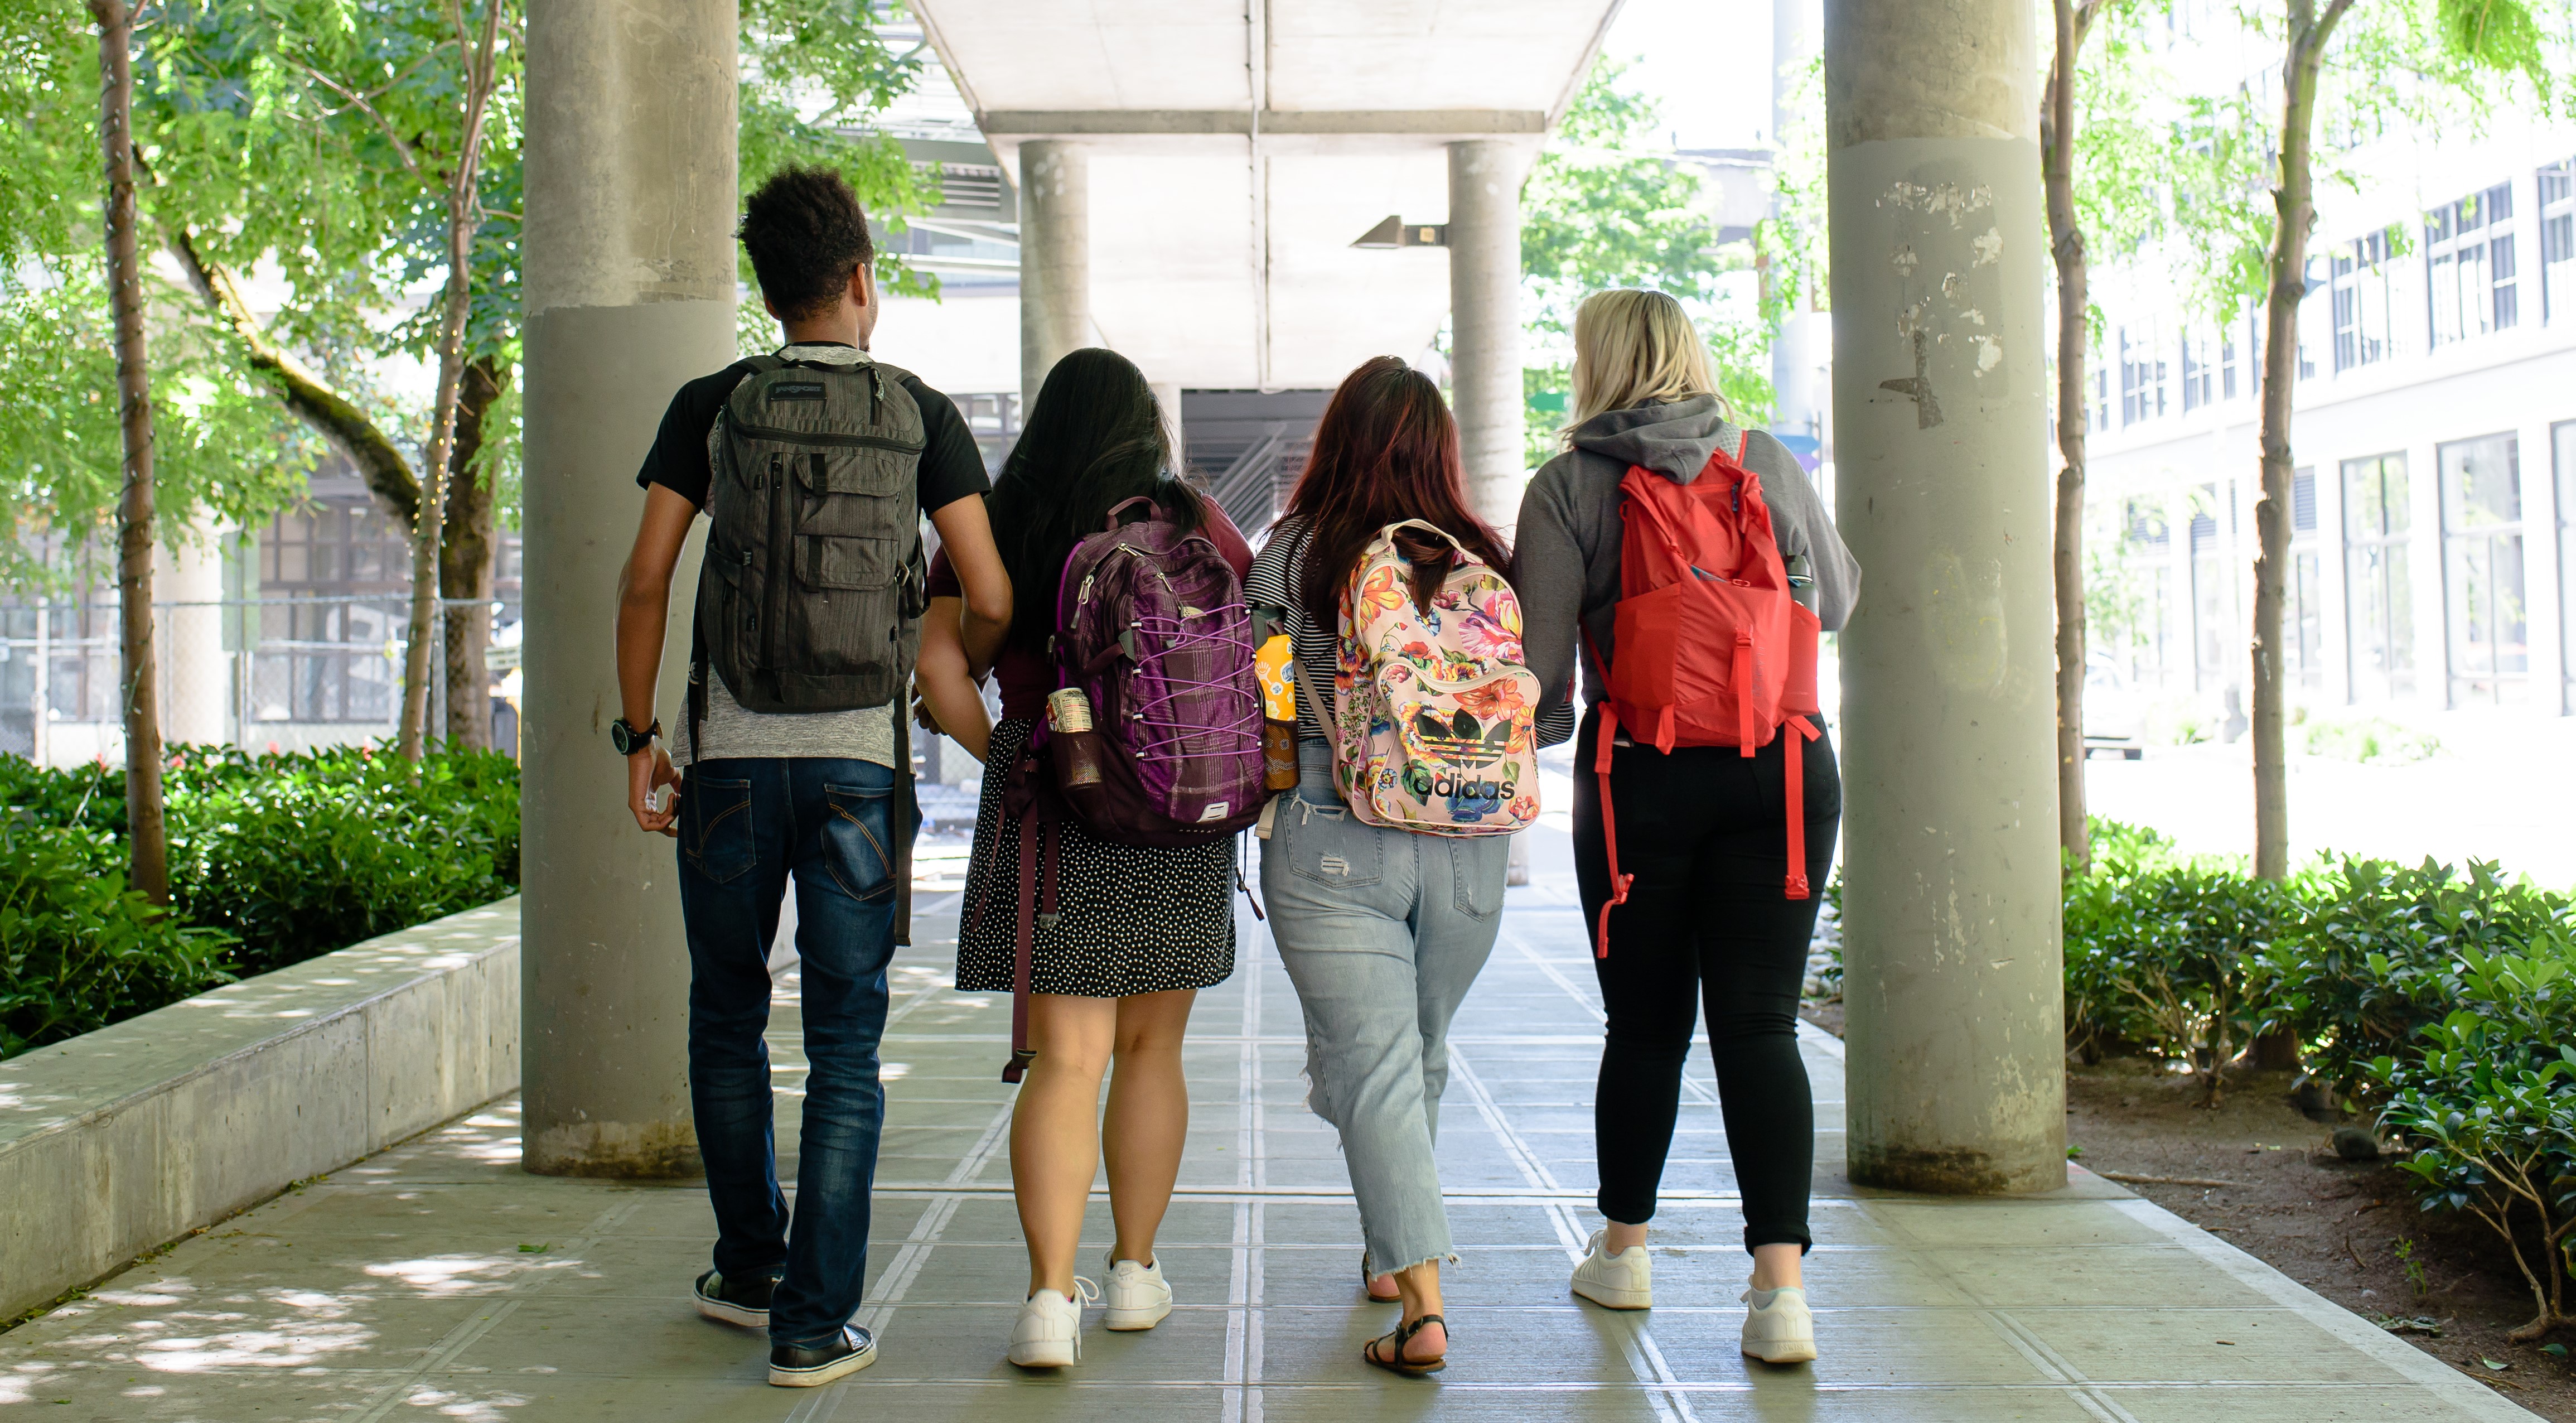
pixel 1386 450
pixel 1094 440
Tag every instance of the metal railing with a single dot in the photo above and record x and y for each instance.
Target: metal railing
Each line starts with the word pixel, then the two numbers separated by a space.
pixel 286 673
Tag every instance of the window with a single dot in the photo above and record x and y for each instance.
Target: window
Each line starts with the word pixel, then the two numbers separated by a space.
pixel 2380 608
pixel 2226 363
pixel 2147 540
pixel 2303 620
pixel 322 640
pixel 2469 266
pixel 2558 241
pixel 2211 600
pixel 2361 307
pixel 2101 398
pixel 2196 384
pixel 2490 656
pixel 2562 453
pixel 2142 380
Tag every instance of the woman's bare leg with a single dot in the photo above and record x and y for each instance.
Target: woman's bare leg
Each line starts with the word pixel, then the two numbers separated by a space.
pixel 1055 1129
pixel 1149 1117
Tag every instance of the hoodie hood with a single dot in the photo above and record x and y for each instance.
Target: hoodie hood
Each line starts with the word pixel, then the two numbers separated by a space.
pixel 1672 440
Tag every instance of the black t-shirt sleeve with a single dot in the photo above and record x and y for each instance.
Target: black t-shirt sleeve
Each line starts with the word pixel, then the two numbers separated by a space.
pixel 951 466
pixel 678 459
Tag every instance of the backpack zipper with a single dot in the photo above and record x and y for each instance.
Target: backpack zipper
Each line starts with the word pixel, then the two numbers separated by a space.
pixel 829 439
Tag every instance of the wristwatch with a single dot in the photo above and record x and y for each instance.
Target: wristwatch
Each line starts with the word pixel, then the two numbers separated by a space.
pixel 628 740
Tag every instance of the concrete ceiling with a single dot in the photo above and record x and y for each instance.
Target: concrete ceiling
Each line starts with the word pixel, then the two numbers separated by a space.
pixel 1238 148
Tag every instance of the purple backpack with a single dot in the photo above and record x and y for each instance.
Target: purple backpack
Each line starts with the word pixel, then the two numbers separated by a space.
pixel 1151 625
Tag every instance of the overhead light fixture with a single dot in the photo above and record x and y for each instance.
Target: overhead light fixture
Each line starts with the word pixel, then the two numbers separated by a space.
pixel 1396 232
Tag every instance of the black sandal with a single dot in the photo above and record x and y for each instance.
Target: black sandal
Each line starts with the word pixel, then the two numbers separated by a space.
pixel 1394 1360
pixel 1367 1279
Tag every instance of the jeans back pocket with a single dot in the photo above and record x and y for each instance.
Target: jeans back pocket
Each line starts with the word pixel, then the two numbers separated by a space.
pixel 1482 865
pixel 858 839
pixel 1329 845
pixel 716 827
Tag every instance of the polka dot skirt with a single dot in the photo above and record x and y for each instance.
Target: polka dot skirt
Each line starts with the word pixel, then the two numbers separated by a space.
pixel 1135 919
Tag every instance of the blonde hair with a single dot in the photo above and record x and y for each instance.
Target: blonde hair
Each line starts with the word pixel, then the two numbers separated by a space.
pixel 1636 346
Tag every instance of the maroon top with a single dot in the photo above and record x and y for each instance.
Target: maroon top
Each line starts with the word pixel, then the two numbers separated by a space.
pixel 1025 673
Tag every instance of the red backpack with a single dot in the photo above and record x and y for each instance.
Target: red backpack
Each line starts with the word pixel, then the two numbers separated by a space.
pixel 1713 651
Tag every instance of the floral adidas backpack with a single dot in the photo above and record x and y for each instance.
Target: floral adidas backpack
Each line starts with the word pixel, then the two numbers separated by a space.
pixel 1434 715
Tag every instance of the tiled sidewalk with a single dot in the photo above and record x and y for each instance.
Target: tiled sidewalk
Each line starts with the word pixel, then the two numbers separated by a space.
pixel 437 1281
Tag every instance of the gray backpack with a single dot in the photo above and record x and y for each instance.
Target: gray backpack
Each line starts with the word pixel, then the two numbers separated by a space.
pixel 814 584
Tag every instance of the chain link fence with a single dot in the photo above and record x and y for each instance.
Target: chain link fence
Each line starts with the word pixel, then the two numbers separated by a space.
pixel 265 674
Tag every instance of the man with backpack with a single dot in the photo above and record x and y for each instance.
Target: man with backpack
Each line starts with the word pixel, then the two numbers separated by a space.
pixel 814 467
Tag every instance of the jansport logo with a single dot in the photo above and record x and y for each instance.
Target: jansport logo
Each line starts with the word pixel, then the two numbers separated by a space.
pixel 796 390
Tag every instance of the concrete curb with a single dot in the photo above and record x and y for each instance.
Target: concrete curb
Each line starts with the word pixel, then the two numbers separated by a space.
pixel 117 1141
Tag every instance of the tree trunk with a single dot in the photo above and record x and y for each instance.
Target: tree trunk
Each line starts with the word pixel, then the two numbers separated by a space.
pixel 464 215
pixel 2294 209
pixel 147 834
pixel 465 565
pixel 2066 243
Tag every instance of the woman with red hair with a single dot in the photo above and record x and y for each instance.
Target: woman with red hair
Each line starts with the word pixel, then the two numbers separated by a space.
pixel 1382 929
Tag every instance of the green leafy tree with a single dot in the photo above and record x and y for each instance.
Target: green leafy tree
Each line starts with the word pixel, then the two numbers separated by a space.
pixel 2246 163
pixel 1606 206
pixel 223 451
pixel 312 137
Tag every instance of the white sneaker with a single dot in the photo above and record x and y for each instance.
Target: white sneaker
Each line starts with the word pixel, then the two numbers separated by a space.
pixel 1779 1330
pixel 1137 1294
pixel 1048 1333
pixel 1622 1281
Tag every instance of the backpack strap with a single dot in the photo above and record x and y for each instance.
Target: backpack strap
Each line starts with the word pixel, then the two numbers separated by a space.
pixel 1797 732
pixel 1609 733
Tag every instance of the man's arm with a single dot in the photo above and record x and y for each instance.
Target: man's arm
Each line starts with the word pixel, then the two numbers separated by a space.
pixel 643 614
pixel 967 537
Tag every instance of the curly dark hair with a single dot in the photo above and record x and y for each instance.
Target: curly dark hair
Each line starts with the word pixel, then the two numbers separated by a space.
pixel 806 233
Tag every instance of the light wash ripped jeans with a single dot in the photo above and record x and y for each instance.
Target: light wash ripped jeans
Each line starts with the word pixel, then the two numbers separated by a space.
pixel 1382 931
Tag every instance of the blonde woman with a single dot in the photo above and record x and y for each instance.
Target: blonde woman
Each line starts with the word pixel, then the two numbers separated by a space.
pixel 1701 828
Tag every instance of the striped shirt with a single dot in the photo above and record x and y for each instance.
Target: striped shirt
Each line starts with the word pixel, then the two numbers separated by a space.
pixel 1277 578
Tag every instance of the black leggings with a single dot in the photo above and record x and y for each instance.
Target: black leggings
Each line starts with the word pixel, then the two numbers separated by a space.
pixel 1703 831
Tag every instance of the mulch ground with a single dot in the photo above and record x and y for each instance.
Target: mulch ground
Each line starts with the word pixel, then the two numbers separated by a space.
pixel 2350 1231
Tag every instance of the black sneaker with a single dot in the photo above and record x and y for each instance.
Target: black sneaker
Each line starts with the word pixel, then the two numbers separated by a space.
pixel 793 1366
pixel 743 1302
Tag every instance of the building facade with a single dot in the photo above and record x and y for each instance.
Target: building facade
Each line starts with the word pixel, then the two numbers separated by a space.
pixel 2433 559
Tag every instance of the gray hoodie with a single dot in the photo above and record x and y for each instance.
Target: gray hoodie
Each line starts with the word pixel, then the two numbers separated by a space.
pixel 1565 563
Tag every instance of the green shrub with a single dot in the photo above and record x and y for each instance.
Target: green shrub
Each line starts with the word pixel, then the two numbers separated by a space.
pixel 273 859
pixel 2369 738
pixel 2489 1106
pixel 2377 956
pixel 2165 957
pixel 78 950
pixel 301 855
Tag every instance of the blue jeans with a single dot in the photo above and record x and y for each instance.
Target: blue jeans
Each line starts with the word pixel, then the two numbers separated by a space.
pixel 744 824
pixel 1383 931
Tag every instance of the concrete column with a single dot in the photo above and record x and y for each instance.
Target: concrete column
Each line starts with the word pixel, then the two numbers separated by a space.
pixel 1055 260
pixel 196 678
pixel 1167 393
pixel 629 291
pixel 1952 972
pixel 1485 322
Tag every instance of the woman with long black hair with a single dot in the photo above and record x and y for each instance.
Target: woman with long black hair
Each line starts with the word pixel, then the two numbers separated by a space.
pixel 1382 929
pixel 1136 931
